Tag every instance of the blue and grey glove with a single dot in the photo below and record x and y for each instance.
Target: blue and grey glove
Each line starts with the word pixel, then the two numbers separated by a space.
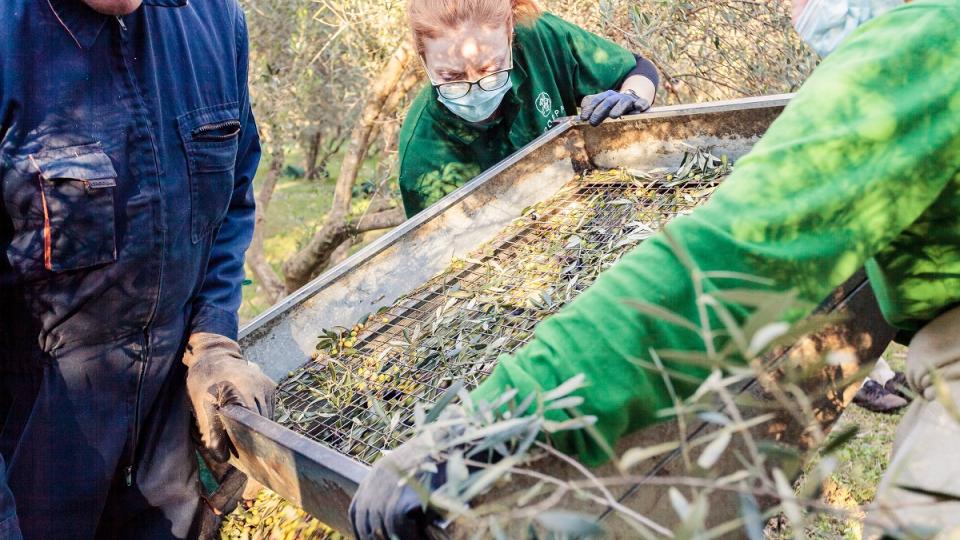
pixel 611 104
pixel 385 505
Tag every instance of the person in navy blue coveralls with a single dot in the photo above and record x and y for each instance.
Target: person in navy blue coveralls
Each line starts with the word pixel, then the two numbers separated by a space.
pixel 127 155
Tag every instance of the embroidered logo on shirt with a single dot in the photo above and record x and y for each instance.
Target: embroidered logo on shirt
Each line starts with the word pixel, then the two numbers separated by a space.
pixel 544 104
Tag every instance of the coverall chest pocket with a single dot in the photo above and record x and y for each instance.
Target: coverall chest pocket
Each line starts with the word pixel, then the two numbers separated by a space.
pixel 69 218
pixel 210 138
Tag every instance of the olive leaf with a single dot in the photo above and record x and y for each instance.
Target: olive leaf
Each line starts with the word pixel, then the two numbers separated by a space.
pixel 787 498
pixel 750 512
pixel 570 524
pixel 838 440
pixel 712 452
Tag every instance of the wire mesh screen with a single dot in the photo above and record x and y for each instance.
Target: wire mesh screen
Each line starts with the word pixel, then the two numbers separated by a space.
pixel 357 395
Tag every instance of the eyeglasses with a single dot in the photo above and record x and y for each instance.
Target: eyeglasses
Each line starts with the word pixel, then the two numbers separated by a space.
pixel 458 89
pixel 489 83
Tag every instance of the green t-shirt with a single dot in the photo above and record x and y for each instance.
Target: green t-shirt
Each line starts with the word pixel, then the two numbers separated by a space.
pixel 556 64
pixel 862 168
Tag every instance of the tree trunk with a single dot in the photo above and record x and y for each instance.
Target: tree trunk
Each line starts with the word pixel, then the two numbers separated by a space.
pixel 389 132
pixel 266 278
pixel 341 253
pixel 386 219
pixel 335 230
pixel 312 145
pixel 380 92
pixel 309 261
pixel 334 142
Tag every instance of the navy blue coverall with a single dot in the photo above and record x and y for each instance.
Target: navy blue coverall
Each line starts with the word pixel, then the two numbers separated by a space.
pixel 127 153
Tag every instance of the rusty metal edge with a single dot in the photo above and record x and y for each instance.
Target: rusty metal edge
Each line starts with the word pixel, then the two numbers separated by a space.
pixel 317 478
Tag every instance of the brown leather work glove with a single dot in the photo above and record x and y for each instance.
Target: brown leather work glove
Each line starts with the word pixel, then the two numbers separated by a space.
pixel 217 375
pixel 935 349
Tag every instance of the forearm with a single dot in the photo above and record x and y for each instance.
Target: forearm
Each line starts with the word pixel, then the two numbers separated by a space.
pixel 642 80
pixel 216 306
pixel 215 309
pixel 604 337
pixel 854 160
pixel 641 86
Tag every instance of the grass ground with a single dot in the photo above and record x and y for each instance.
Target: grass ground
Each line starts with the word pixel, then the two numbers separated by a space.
pixel 861 463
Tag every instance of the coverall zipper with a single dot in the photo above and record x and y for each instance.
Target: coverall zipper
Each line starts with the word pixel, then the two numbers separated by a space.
pixel 144 359
pixel 145 354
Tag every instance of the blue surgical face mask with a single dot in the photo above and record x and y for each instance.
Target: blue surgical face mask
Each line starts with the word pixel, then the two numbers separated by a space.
pixel 478 104
pixel 824 24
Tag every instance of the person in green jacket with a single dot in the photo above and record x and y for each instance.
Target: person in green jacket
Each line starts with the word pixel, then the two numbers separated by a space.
pixel 862 168
pixel 500 72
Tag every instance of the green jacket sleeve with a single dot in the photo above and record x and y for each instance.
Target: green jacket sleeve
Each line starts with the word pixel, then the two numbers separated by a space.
pixel 867 146
pixel 598 64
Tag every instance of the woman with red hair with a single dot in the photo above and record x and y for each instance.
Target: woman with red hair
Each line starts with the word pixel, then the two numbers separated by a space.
pixel 501 71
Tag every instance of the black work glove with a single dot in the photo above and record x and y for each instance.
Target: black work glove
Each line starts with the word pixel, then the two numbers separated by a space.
pixel 611 104
pixel 218 375
pixel 385 506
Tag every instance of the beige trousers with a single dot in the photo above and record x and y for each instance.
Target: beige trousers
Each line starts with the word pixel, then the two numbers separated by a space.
pixel 920 490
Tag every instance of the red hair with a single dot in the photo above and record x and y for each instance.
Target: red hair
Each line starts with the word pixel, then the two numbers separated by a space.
pixel 429 18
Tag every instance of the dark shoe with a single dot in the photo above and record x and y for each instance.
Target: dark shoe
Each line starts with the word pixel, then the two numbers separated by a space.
pixel 898 386
pixel 874 397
